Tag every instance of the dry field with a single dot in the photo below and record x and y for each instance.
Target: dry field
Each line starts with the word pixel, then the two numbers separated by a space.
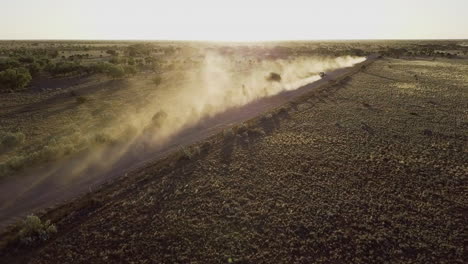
pixel 368 171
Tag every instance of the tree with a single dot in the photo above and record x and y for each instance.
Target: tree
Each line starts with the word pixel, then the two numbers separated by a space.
pixel 14 79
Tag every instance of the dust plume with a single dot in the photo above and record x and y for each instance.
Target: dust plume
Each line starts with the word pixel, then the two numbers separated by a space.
pixel 215 84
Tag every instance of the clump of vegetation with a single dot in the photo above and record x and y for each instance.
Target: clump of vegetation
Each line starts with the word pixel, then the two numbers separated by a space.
pixel 11 140
pixel 157 80
pixel 81 100
pixel 14 79
pixel 228 133
pixel 139 49
pixel 205 147
pixel 190 153
pixel 255 132
pixel 116 71
pixel 33 230
pixel 130 70
pixel 158 118
pixel 273 77
pixel 266 118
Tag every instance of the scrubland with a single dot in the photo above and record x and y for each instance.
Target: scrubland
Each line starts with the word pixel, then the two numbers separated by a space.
pixel 367 170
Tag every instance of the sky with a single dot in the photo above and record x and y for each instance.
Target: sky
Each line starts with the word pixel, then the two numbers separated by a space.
pixel 238 20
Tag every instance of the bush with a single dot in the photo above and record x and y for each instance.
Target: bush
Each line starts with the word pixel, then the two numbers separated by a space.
pixel 33 229
pixel 34 68
pixel 157 80
pixel 11 140
pixel 8 64
pixel 130 70
pixel 274 77
pixel 189 153
pixel 26 59
pixel 115 71
pixel 14 79
pixel 228 133
pixel 111 52
pixel 81 100
pixel 117 60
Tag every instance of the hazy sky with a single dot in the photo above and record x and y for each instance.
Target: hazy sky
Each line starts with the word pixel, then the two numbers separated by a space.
pixel 233 20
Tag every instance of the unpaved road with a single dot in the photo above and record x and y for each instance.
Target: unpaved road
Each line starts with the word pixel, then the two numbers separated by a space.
pixel 40 188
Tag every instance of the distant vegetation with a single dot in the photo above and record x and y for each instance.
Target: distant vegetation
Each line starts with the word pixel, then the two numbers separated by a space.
pixel 20 65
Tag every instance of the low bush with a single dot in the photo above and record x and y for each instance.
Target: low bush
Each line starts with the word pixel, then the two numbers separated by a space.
pixel 81 100
pixel 228 133
pixel 33 230
pixel 11 140
pixel 115 71
pixel 274 77
pixel 130 70
pixel 189 153
pixel 157 80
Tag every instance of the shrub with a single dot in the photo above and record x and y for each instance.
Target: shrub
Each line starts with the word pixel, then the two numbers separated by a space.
pixel 81 100
pixel 28 59
pixel 111 52
pixel 34 68
pixel 11 140
pixel 190 153
pixel 130 70
pixel 157 80
pixel 8 64
pixel 14 79
pixel 116 60
pixel 256 132
pixel 274 77
pixel 158 118
pixel 33 229
pixel 228 133
pixel 115 71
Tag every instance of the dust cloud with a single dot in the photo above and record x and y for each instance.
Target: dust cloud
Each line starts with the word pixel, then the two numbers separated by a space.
pixel 184 98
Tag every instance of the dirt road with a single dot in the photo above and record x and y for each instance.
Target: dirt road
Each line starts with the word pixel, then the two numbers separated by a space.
pixel 40 188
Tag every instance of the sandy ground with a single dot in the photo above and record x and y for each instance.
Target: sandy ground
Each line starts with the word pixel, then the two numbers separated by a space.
pixel 40 188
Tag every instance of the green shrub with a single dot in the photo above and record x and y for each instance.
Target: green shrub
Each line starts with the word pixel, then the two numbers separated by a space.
pixel 33 229
pixel 14 79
